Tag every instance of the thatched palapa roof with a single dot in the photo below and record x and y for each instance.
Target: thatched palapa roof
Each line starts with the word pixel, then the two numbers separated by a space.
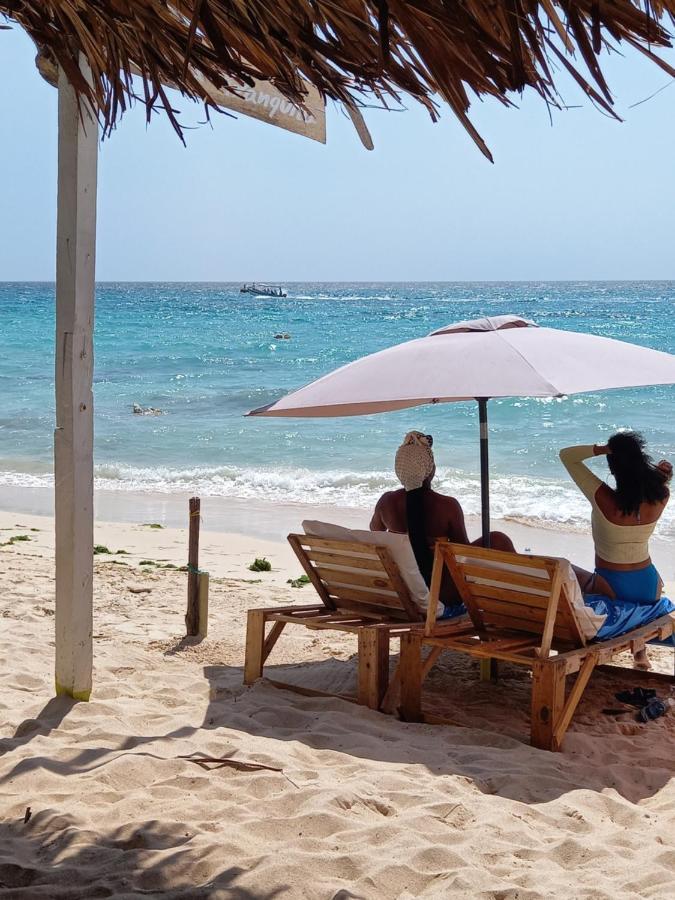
pixel 352 50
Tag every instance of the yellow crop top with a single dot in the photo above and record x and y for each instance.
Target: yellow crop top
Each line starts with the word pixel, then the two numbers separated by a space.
pixel 613 543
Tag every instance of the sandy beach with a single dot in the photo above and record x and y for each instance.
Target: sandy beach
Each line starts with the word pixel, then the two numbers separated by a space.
pixel 320 798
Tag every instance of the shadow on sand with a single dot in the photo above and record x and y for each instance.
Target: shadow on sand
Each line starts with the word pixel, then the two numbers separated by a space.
pixel 498 763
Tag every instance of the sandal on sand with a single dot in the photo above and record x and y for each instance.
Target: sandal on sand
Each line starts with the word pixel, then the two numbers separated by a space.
pixel 638 696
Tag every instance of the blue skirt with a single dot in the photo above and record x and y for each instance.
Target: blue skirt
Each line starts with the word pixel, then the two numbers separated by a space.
pixel 636 602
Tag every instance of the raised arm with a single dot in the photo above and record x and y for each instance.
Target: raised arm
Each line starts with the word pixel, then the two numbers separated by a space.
pixel 572 458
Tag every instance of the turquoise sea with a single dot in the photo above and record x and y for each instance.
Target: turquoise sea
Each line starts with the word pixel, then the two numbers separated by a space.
pixel 205 354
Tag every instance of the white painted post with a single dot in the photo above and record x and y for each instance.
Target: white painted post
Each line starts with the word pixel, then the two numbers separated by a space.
pixel 73 437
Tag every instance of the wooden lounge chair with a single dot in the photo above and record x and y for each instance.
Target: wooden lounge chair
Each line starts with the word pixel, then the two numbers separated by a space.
pixel 521 610
pixel 361 591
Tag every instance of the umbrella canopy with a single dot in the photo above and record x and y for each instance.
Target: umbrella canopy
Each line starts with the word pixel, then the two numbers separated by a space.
pixel 501 356
pixel 429 50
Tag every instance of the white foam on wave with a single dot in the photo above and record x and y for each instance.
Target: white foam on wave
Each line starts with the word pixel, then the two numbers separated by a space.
pixel 545 502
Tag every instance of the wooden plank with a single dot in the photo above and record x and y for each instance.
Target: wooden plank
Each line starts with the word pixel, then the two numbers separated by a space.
pixel 504 577
pixel 573 699
pixel 388 601
pixel 74 432
pixel 569 613
pixel 271 639
pixel 548 697
pixel 411 678
pixel 489 669
pixel 478 591
pixel 606 649
pixel 446 551
pixel 357 579
pixel 513 623
pixel 534 614
pixel 434 591
pixel 430 661
pixel 255 641
pixel 353 562
pixel 372 611
pixel 294 541
pixel 373 666
pixel 317 543
pixel 412 609
pixel 551 614
pixel 514 559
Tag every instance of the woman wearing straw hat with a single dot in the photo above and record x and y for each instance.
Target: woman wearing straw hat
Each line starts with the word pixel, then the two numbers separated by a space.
pixel 424 514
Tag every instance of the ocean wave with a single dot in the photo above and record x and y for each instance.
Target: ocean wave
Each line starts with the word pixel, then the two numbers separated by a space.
pixel 542 502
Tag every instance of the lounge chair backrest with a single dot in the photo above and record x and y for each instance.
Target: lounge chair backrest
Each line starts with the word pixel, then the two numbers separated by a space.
pixel 510 591
pixel 358 578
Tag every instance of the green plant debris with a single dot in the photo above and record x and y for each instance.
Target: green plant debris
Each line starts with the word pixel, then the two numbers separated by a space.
pixel 260 565
pixel 147 562
pixel 152 525
pixel 35 529
pixel 15 539
pixel 252 580
pixel 100 548
pixel 298 582
pixel 167 566
pixel 117 562
pixel 122 553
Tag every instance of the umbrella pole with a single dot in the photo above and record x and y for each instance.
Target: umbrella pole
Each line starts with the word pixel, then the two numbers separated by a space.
pixel 484 470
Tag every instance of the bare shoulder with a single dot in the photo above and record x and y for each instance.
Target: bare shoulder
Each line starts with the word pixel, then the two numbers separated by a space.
pixel 387 499
pixel 451 504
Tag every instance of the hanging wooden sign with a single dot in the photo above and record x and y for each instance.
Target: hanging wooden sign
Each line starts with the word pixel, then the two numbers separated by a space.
pixel 263 101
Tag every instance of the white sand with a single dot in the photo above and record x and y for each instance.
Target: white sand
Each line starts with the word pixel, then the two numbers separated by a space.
pixel 365 806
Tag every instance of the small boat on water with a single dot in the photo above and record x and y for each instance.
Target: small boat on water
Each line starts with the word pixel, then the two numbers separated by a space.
pixel 263 290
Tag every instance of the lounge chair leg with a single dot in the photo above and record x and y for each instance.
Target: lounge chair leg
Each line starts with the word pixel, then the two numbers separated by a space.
pixel 548 698
pixel 489 670
pixel 255 645
pixel 373 666
pixel 411 678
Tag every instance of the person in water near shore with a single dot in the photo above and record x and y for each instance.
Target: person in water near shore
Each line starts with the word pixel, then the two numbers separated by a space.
pixel 424 514
pixel 624 518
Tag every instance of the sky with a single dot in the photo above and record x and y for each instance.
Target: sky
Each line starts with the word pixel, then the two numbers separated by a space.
pixel 586 198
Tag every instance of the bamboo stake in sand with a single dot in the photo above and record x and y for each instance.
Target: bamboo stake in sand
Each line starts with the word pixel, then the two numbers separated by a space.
pixel 192 615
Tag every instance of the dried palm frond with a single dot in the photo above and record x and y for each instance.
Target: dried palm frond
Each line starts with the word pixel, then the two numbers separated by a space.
pixel 352 50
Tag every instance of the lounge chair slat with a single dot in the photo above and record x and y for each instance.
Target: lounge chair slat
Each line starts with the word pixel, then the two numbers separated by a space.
pixel 515 623
pixel 345 560
pixel 309 540
pixel 503 577
pixel 340 593
pixel 508 595
pixel 371 580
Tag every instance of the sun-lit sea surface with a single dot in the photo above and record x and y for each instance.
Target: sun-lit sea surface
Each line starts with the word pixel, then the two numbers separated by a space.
pixel 205 354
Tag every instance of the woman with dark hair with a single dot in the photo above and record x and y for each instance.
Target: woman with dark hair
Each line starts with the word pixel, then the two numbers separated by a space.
pixel 425 515
pixel 624 518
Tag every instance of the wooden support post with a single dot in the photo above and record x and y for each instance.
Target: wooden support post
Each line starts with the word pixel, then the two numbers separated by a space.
pixel 411 678
pixel 255 645
pixel 192 614
pixel 203 605
pixel 548 698
pixel 74 434
pixel 489 670
pixel 373 665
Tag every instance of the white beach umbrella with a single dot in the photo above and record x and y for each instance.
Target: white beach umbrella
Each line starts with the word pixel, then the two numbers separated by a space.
pixel 500 356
